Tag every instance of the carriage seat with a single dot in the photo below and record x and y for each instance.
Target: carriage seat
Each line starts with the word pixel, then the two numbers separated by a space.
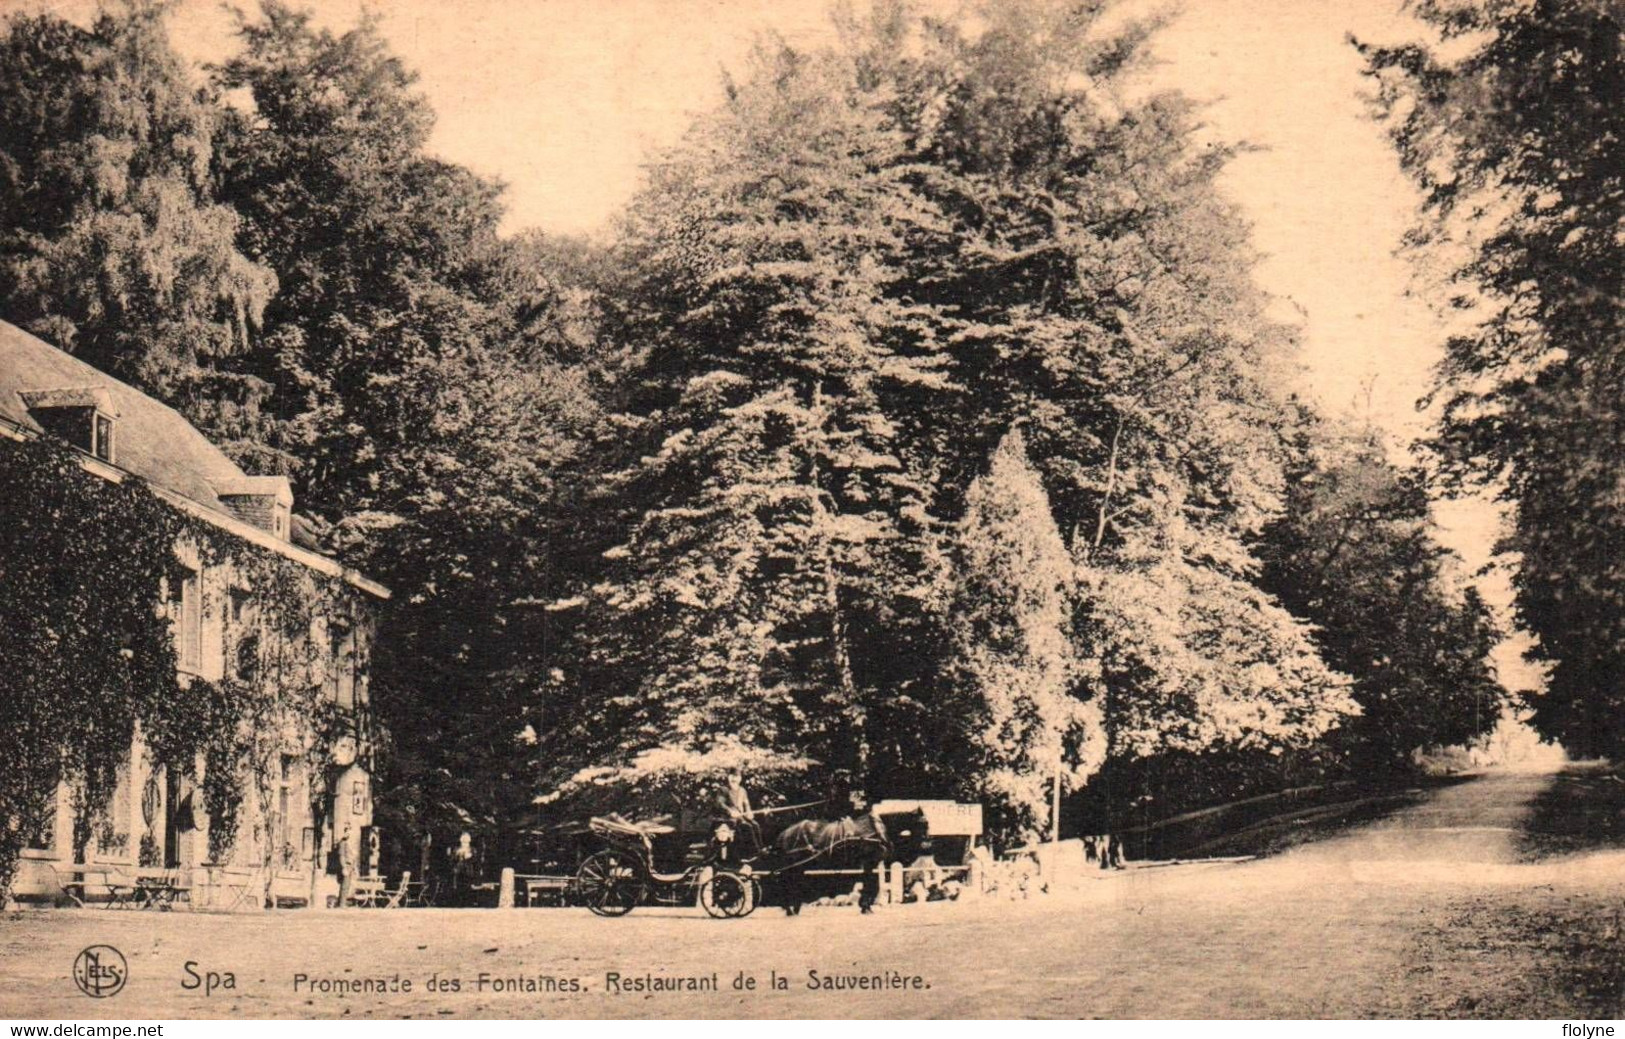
pixel 616 825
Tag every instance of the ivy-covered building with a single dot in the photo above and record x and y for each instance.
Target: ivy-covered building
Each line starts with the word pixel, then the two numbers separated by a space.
pixel 242 773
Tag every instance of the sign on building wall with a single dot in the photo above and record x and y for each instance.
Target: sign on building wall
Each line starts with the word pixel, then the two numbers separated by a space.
pixel 352 799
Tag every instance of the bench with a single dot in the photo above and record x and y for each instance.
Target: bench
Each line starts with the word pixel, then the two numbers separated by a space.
pixel 547 887
pixel 77 883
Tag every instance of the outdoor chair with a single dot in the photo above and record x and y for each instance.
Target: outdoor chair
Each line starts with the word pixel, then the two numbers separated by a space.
pixel 367 892
pixel 397 898
pixel 159 889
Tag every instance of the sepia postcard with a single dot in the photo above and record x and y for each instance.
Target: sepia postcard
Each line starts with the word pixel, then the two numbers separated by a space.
pixel 806 509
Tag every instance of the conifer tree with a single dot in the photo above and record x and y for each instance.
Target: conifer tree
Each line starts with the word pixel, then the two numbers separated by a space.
pixel 1015 653
pixel 779 548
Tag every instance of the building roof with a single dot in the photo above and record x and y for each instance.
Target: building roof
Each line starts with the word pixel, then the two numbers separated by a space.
pixel 153 440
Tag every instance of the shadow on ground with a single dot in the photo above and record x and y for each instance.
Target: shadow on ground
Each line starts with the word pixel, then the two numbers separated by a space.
pixel 1582 810
pixel 1554 944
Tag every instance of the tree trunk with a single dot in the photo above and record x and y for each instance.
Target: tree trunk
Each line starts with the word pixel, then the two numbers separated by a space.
pixel 1111 487
pixel 840 653
pixel 843 671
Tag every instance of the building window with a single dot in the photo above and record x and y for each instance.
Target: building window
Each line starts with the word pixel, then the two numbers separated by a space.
pixel 286 850
pixel 245 664
pixel 113 836
pixel 186 614
pixel 39 826
pixel 82 415
pixel 339 642
pixel 101 444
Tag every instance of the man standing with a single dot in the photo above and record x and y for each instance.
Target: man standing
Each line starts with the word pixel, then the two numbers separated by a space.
pixel 347 857
pixel 733 802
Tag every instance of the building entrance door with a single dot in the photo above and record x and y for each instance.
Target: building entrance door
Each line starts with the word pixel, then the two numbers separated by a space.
pixel 172 804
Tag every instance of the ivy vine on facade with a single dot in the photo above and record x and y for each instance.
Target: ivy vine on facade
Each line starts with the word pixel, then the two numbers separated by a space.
pixel 187 684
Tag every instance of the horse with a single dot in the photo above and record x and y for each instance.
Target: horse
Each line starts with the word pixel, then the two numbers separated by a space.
pixel 863 842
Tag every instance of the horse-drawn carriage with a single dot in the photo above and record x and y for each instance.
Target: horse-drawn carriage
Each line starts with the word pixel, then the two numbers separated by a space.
pixel 624 873
pixel 785 856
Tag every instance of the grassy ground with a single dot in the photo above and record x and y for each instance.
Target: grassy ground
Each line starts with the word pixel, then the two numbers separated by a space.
pixel 1284 832
pixel 1274 824
pixel 1542 948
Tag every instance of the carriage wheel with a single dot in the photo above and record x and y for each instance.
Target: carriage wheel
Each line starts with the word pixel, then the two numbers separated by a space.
pixel 728 895
pixel 610 883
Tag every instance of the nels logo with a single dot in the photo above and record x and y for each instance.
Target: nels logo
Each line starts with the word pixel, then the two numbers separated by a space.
pixel 100 971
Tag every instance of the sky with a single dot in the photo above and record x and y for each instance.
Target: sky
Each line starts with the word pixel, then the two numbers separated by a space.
pixel 564 99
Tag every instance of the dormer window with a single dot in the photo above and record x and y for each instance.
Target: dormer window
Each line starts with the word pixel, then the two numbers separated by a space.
pixel 83 416
pixel 264 501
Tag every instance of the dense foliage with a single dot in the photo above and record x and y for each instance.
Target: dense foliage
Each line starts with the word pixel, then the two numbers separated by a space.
pixel 112 242
pixel 1512 128
pixel 921 423
pixel 858 276
pixel 1016 653
pixel 1356 553
pixel 82 557
pixel 79 559
pixel 434 387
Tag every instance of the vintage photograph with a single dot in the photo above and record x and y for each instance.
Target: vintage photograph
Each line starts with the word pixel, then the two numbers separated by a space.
pixel 803 509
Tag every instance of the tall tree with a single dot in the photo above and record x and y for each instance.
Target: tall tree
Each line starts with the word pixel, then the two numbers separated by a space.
pixel 1012 609
pixel 1512 128
pixel 435 389
pixel 1356 554
pixel 1099 286
pixel 378 248
pixel 779 549
pixel 861 272
pixel 113 244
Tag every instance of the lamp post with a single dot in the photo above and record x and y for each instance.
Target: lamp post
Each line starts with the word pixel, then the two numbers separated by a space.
pixel 1055 807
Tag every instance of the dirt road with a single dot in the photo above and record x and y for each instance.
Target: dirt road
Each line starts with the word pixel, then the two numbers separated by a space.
pixel 1452 907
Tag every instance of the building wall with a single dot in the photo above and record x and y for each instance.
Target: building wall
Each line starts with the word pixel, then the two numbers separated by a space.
pixel 209 607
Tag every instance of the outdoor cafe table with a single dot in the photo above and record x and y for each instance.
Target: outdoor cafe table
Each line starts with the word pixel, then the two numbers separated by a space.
pixel 158 890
